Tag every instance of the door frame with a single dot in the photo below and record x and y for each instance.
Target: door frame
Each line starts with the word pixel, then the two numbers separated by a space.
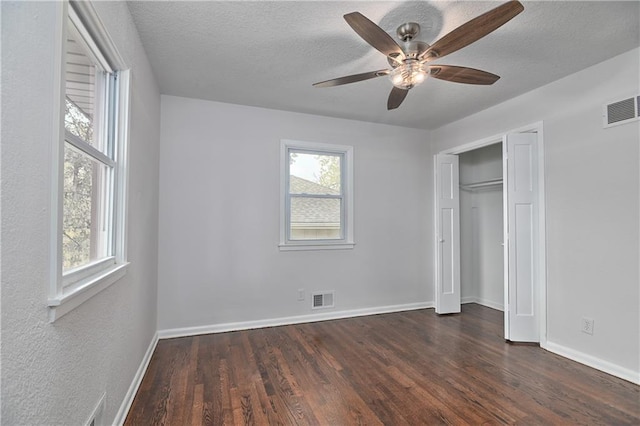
pixel 541 249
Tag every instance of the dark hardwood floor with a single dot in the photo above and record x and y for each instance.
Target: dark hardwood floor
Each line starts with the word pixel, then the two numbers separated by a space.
pixel 402 368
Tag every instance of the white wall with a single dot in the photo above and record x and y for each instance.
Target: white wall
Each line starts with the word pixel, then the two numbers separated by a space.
pixel 481 228
pixel 219 216
pixel 55 373
pixel 592 198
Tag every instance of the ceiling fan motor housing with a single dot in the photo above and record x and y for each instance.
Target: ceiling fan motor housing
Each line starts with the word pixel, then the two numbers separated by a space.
pixel 411 50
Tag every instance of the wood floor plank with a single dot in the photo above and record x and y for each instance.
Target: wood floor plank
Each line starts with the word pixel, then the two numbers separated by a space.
pixel 226 394
pixel 197 408
pixel 403 368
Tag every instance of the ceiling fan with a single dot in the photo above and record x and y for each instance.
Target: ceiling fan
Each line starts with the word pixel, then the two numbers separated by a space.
pixel 409 62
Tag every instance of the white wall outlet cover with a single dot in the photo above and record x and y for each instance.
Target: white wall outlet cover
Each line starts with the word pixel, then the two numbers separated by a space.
pixel 587 325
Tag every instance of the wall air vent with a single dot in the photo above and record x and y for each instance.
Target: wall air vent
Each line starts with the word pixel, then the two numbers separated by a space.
pixel 620 112
pixel 322 300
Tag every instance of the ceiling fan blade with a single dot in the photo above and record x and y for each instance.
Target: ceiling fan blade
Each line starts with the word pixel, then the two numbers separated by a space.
pixel 462 74
pixel 473 30
pixel 396 97
pixel 351 78
pixel 374 35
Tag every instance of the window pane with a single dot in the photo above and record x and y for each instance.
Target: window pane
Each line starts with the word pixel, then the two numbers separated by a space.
pixel 84 84
pixel 77 122
pixel 314 173
pixel 85 208
pixel 315 218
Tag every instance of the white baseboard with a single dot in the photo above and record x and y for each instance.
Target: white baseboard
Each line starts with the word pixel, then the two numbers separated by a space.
pixel 483 302
pixel 121 416
pixel 325 316
pixel 591 361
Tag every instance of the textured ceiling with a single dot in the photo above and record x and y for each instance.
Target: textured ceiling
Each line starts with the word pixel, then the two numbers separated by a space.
pixel 267 54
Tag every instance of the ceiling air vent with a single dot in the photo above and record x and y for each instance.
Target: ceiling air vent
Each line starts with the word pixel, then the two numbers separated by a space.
pixel 620 112
pixel 322 300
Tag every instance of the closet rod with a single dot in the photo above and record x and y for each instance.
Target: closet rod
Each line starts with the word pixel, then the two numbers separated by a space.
pixel 484 183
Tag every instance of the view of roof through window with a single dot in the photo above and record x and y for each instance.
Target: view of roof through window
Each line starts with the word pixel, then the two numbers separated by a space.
pixel 314 184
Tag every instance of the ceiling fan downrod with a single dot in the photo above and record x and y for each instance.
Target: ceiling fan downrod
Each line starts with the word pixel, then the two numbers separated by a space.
pixel 409 31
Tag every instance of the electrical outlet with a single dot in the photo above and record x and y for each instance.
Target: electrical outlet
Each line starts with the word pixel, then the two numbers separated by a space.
pixel 587 325
pixel 301 294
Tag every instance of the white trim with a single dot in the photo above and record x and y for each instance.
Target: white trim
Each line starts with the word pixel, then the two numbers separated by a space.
pixel 97 415
pixel 98 33
pixel 121 155
pixel 542 235
pixel 74 276
pixel 84 290
pixel 88 149
pixel 505 240
pixel 315 246
pixel 121 416
pixel 494 139
pixel 347 242
pixel 483 302
pixel 67 290
pixel 95 51
pixel 460 149
pixel 300 319
pixel 57 150
pixel 593 362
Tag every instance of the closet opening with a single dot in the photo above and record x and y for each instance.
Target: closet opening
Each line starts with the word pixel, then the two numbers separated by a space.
pixel 482 227
pixel 490 231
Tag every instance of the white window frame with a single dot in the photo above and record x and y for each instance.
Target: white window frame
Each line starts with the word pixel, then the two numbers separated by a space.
pixel 70 289
pixel 347 240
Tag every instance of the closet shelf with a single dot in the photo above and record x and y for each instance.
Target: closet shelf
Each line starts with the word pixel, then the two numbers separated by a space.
pixel 482 184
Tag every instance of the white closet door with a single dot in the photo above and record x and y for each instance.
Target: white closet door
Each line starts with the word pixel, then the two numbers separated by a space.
pixel 521 318
pixel 447 234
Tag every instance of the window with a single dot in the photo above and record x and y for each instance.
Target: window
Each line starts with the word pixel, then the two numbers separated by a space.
pixel 316 196
pixel 87 230
pixel 89 165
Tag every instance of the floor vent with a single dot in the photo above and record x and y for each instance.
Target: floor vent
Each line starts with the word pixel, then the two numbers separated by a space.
pixel 322 300
pixel 620 112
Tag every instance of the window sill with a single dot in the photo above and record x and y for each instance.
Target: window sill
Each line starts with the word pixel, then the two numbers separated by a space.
pixel 315 246
pixel 84 290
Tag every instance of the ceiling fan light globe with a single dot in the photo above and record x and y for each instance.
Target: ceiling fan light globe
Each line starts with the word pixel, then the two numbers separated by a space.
pixel 419 78
pixel 408 75
pixel 396 79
